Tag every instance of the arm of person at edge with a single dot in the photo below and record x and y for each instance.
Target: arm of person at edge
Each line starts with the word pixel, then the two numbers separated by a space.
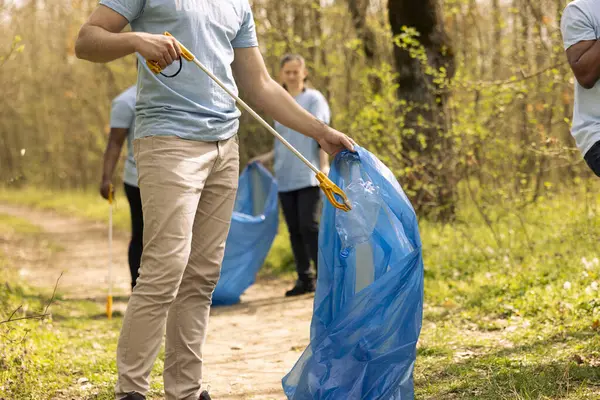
pixel 581 44
pixel 252 77
pixel 584 59
pixel 116 138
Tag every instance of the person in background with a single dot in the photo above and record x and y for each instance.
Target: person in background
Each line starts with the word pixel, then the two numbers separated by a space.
pixel 299 191
pixel 122 125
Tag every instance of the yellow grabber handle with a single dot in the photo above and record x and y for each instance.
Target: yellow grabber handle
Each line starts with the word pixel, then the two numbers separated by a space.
pixel 330 189
pixel 185 53
pixel 111 193
pixel 109 304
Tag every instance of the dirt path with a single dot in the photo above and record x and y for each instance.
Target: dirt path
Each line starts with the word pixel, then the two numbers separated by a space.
pixel 81 254
pixel 250 346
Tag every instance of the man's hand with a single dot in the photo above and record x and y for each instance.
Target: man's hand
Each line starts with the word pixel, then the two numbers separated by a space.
pixel 105 187
pixel 160 48
pixel 333 141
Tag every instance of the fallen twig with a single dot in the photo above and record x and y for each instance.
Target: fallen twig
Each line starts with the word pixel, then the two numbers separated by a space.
pixel 38 316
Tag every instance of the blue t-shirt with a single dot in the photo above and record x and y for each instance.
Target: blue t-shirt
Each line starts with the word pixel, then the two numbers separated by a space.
pixel 291 173
pixel 191 105
pixel 581 21
pixel 123 116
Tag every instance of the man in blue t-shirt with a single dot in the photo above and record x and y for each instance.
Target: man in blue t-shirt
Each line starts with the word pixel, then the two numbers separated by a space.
pixel 580 26
pixel 122 127
pixel 186 152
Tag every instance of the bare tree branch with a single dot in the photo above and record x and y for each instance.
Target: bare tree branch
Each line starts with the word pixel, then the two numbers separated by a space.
pixel 37 316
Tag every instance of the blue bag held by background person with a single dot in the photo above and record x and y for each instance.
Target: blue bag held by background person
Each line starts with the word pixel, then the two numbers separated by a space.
pixel 369 302
pixel 253 228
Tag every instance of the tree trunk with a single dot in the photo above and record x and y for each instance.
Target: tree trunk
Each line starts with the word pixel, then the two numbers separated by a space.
pixel 497 51
pixel 431 180
pixel 358 9
pixel 522 166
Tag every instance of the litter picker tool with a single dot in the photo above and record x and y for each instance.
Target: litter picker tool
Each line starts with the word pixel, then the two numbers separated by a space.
pixel 109 297
pixel 329 188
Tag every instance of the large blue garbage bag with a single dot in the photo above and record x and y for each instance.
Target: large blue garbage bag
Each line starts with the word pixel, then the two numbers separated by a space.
pixel 253 228
pixel 369 301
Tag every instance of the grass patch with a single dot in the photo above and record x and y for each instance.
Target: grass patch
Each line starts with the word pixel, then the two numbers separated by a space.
pixel 80 203
pixel 70 355
pixel 67 355
pixel 512 310
pixel 15 225
pixel 22 231
pixel 280 260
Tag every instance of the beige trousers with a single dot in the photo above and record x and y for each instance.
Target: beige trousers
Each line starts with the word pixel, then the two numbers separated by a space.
pixel 188 192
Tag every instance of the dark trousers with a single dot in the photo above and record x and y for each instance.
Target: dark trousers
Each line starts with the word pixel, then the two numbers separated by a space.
pixel 137 231
pixel 301 210
pixel 592 158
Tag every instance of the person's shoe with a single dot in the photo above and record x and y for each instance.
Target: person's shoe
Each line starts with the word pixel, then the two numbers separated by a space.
pixel 301 287
pixel 204 396
pixel 134 396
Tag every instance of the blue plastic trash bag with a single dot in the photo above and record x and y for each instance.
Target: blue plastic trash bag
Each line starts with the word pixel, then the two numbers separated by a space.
pixel 369 301
pixel 253 228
